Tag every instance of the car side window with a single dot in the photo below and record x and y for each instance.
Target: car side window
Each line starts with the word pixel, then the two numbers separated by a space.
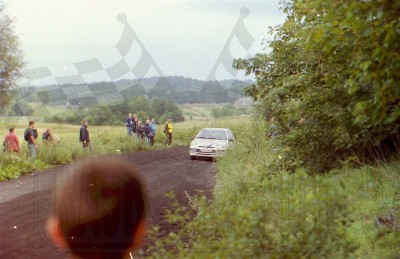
pixel 230 135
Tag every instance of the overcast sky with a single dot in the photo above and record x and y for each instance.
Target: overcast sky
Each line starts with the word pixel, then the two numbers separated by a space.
pixel 184 38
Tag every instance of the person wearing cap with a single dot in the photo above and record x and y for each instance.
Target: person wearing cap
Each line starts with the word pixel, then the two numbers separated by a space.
pixel 168 128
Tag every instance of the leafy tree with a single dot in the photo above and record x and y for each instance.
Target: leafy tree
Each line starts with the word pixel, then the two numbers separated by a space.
pixel 101 116
pixel 11 60
pixel 216 112
pixel 166 108
pixel 143 116
pixel 331 81
pixel 140 104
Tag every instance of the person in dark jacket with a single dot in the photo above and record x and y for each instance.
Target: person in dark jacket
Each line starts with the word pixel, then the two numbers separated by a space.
pixel 129 124
pixel 147 132
pixel 84 135
pixel 140 130
pixel 134 123
pixel 30 135
pixel 153 127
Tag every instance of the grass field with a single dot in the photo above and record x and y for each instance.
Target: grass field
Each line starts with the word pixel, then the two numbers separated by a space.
pixel 199 111
pixel 104 139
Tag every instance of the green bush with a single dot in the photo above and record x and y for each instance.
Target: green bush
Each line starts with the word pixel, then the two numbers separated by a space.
pixel 256 213
pixel 331 82
pixel 12 165
pixel 372 192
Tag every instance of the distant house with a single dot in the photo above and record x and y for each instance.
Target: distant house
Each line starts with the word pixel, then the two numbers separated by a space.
pixel 247 101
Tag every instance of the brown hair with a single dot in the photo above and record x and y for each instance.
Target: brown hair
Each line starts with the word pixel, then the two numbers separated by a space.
pixel 31 123
pixel 12 129
pixel 100 207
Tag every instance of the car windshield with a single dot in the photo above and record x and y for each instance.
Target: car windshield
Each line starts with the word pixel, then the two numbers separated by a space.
pixel 212 134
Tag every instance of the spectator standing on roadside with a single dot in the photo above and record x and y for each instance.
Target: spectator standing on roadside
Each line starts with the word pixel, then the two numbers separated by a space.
pixel 99 210
pixel 168 128
pixel 129 124
pixel 147 131
pixel 153 131
pixel 140 130
pixel 30 136
pixel 11 142
pixel 134 123
pixel 84 135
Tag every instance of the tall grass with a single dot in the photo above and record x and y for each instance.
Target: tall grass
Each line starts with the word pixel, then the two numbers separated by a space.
pixel 104 140
pixel 259 213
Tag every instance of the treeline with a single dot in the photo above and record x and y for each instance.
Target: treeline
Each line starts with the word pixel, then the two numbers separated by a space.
pixel 116 114
pixel 180 90
pixel 331 83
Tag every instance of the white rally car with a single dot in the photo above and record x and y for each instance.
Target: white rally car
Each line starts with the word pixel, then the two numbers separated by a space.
pixel 211 142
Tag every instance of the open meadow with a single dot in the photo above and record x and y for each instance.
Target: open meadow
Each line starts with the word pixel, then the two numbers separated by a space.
pixel 104 140
pixel 198 111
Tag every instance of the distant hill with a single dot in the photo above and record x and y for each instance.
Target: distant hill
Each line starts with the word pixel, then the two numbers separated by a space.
pixel 179 89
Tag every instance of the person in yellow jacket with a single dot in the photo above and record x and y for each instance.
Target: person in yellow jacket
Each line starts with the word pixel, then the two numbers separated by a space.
pixel 168 131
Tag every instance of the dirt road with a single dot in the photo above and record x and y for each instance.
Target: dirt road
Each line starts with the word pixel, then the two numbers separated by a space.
pixel 25 202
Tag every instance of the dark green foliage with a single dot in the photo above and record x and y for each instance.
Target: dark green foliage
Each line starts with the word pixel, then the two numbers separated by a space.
pixel 164 109
pixel 174 88
pixel 58 96
pixel 256 214
pixel 116 114
pixel 135 90
pixel 102 88
pixel 11 60
pixel 332 81
pixel 140 104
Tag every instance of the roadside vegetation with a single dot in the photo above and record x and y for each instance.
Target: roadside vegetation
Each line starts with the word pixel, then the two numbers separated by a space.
pixel 105 140
pixel 258 212
pixel 317 173
pixel 314 174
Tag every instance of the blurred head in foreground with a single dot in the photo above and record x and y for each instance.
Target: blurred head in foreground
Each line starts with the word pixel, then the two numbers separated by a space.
pixel 99 210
